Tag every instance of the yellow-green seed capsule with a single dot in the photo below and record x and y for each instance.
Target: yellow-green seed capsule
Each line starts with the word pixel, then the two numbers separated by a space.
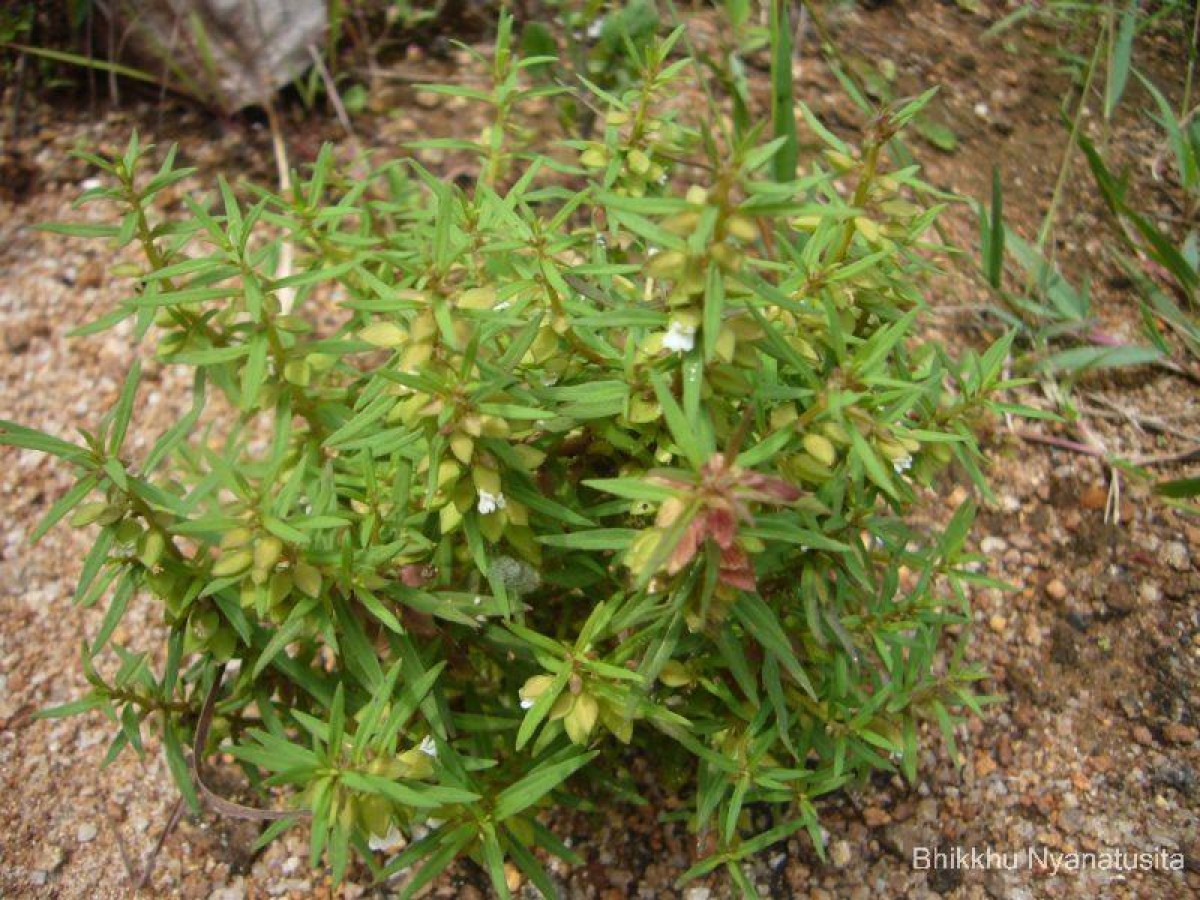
pixel 668 264
pixel 594 158
pixel 580 721
pixel 150 548
pixel 267 551
pixel 867 228
pixel 113 513
pixel 477 298
pixel 250 595
pixel 384 334
pixel 682 223
pixel 281 586
pixel 87 513
pixel 307 579
pixel 534 688
pixel 222 644
pixel 742 228
pixel 294 324
pixel 462 446
pixel 321 362
pixel 205 624
pixel 236 537
pixel 893 450
pixel 840 160
pixel 820 448
pixel 675 674
pixel 639 162
pixel 233 563
pixel 298 372
pixel 374 814
pixel 782 416
pixel 449 518
pixel 727 257
pixel 835 432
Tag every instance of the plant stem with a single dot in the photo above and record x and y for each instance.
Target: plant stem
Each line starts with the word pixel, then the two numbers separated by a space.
pixel 1065 167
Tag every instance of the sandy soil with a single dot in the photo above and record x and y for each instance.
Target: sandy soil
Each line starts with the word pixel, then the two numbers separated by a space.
pixel 1092 744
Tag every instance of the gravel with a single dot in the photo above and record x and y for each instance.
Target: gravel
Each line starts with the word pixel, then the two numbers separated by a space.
pixel 1093 659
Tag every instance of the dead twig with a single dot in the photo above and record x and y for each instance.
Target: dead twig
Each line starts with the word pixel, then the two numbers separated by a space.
pixel 140 880
pixel 1167 459
pixel 1062 443
pixel 1102 454
pixel 1142 422
pixel 335 96
pixel 211 797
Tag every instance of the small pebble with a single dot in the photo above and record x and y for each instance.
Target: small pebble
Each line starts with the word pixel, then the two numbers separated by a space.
pixel 235 891
pixel 86 833
pixel 1176 555
pixel 874 816
pixel 992 545
pixel 1178 733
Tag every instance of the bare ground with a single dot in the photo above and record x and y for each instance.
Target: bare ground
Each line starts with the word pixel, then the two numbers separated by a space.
pixel 1094 740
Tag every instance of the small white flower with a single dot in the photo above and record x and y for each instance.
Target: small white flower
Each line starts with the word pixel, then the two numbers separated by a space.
pixel 393 840
pixel 679 337
pixel 489 503
pixel 902 464
pixel 526 704
pixel 428 746
pixel 593 30
pixel 478 601
pixel 502 305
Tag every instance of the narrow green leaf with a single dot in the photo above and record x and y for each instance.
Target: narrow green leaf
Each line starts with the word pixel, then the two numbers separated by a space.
pixel 529 790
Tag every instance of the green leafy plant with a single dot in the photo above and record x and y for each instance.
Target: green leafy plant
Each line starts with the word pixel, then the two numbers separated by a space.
pixel 1052 317
pixel 1162 262
pixel 602 42
pixel 580 469
pixel 1157 254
